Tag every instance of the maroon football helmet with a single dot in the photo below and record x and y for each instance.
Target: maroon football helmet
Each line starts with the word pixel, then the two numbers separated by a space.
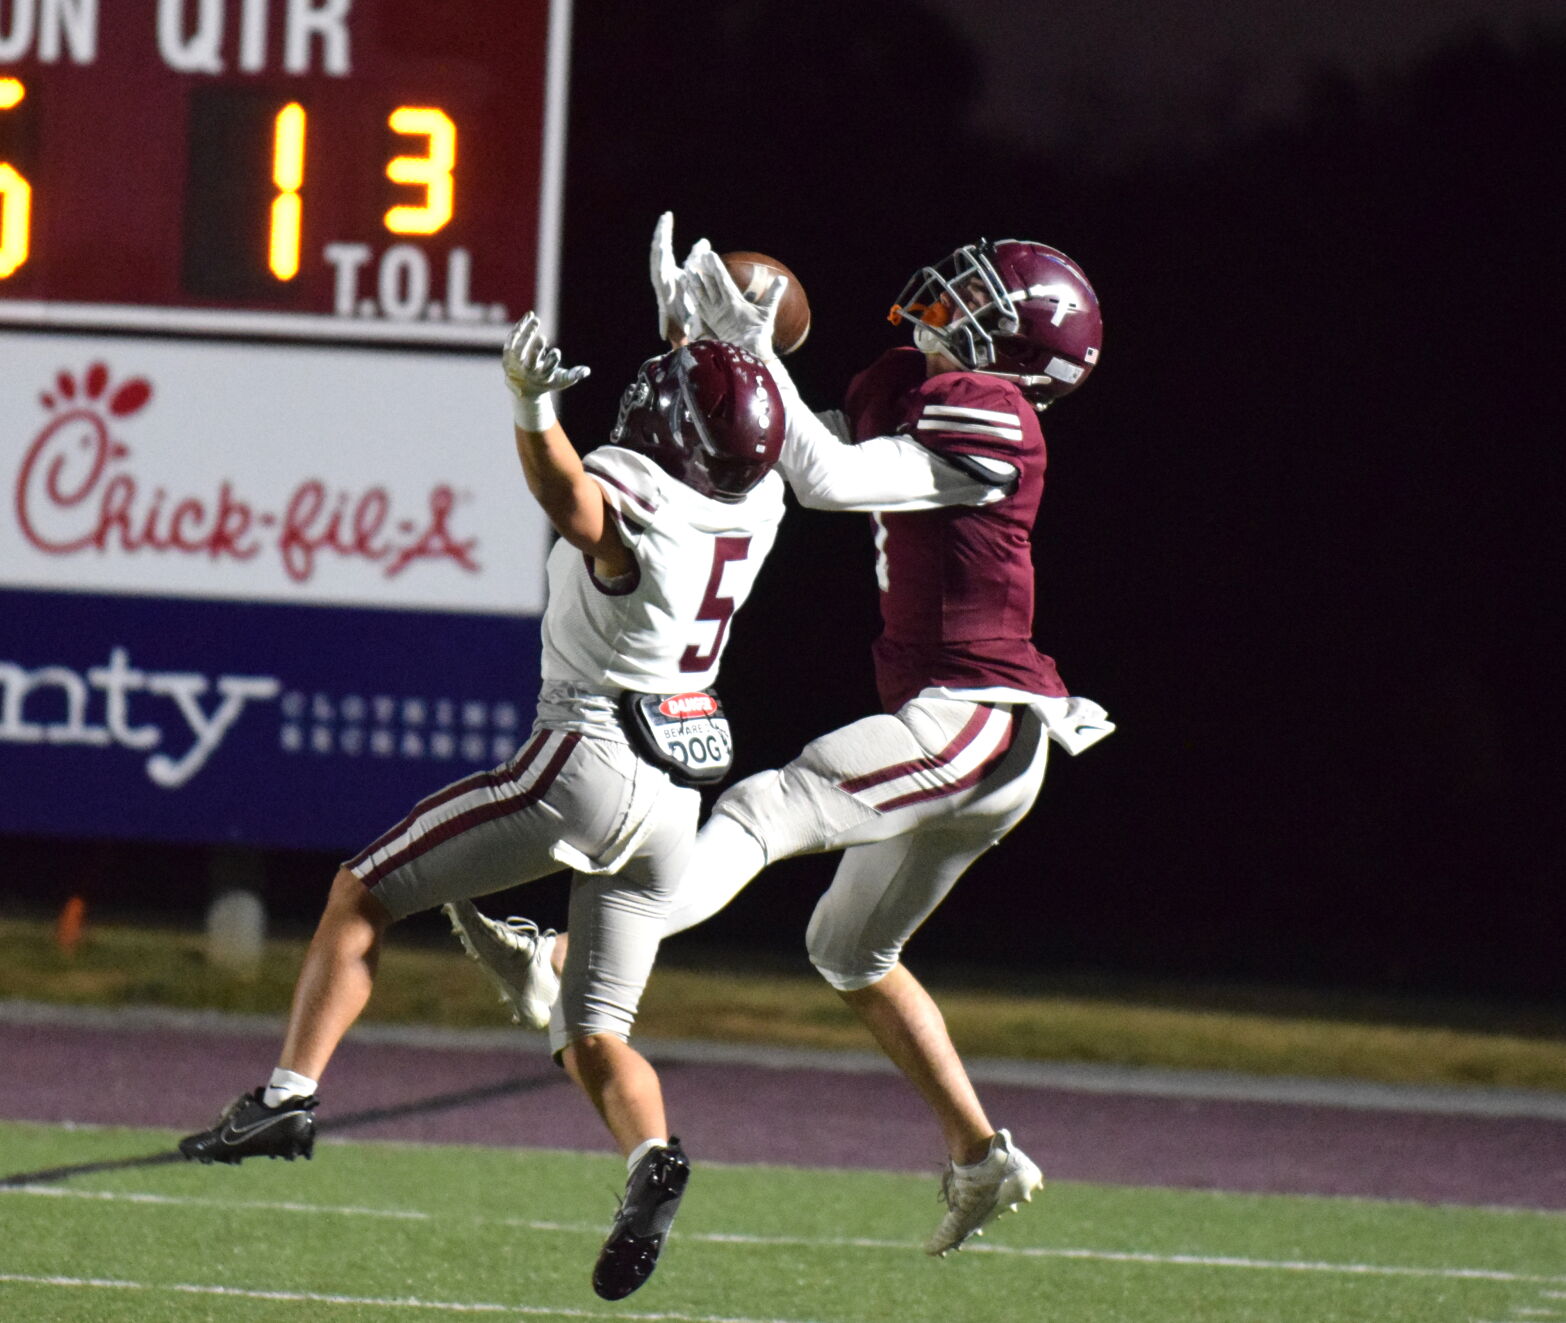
pixel 707 413
pixel 1014 309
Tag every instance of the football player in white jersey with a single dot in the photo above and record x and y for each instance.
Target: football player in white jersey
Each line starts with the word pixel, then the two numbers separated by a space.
pixel 913 796
pixel 661 534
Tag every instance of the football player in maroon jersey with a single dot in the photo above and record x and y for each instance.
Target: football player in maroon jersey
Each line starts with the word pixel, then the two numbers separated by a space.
pixel 913 796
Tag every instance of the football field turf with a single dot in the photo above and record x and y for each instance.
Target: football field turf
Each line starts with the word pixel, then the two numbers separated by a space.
pixel 396 1231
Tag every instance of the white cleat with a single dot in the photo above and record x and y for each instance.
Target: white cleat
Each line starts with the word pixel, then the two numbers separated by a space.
pixel 976 1195
pixel 515 956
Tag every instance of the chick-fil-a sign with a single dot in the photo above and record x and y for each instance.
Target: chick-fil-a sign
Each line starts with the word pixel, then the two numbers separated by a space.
pixel 223 478
pixel 78 490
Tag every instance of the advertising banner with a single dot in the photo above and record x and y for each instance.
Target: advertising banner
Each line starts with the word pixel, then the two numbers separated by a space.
pixel 269 571
pixel 225 616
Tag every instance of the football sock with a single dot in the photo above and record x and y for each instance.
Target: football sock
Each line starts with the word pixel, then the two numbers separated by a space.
pixel 726 857
pixel 284 1085
pixel 642 1150
pixel 989 1154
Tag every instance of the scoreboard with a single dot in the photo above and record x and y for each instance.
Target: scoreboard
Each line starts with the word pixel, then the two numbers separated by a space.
pixel 268 568
pixel 347 170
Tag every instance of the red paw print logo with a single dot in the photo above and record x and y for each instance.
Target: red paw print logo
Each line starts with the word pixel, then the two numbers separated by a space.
pixel 129 397
pixel 67 495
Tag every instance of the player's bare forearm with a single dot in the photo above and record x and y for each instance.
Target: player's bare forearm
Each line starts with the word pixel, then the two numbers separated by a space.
pixel 571 500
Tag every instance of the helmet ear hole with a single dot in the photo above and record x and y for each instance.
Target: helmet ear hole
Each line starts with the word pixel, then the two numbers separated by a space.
pixel 1018 352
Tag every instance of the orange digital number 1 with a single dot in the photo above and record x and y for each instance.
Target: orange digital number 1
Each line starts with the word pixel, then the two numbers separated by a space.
pixel 16 196
pixel 288 154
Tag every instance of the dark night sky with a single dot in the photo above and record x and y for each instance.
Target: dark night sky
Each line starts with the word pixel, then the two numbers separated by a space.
pixel 1291 521
pixel 1124 76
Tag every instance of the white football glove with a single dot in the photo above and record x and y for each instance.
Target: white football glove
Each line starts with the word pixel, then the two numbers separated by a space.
pixel 728 314
pixel 677 319
pixel 533 374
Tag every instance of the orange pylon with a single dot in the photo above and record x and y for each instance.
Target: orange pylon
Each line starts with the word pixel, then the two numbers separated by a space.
pixel 68 927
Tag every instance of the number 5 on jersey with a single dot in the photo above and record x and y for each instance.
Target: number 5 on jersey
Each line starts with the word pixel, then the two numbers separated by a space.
pixel 714 606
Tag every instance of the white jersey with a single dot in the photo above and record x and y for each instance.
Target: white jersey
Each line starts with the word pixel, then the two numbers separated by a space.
pixel 663 627
pixel 827 471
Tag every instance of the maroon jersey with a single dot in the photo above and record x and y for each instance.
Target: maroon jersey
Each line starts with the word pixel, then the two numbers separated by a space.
pixel 956 583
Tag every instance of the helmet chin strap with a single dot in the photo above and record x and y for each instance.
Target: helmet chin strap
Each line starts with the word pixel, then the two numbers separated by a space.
pixel 1025 384
pixel 931 344
pixel 926 341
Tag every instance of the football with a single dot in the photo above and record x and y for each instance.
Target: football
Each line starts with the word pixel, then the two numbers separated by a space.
pixel 753 273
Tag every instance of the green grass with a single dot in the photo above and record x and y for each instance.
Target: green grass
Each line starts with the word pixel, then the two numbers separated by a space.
pixel 693 995
pixel 367 1230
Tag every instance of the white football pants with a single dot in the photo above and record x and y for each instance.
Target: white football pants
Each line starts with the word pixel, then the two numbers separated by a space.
pixel 912 798
pixel 564 797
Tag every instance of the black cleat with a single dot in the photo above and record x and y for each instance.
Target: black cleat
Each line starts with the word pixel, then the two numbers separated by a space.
pixel 248 1128
pixel 652 1197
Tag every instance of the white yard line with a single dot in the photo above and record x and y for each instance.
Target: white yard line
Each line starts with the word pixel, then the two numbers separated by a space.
pixel 845 1242
pixel 379 1302
pixel 188 1201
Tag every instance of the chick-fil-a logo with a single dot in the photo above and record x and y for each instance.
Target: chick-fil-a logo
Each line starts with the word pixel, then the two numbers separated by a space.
pixel 76 491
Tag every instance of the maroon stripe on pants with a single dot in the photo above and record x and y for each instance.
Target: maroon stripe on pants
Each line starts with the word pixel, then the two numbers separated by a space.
pixel 963 739
pixel 492 779
pixel 972 779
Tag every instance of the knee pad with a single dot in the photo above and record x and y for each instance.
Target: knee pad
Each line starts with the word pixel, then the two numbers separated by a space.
pixel 844 969
pixel 844 981
pixel 750 799
pixel 561 1037
pixel 778 809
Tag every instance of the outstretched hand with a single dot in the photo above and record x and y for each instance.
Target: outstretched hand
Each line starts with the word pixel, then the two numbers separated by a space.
pixel 533 373
pixel 727 313
pixel 532 367
pixel 677 318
